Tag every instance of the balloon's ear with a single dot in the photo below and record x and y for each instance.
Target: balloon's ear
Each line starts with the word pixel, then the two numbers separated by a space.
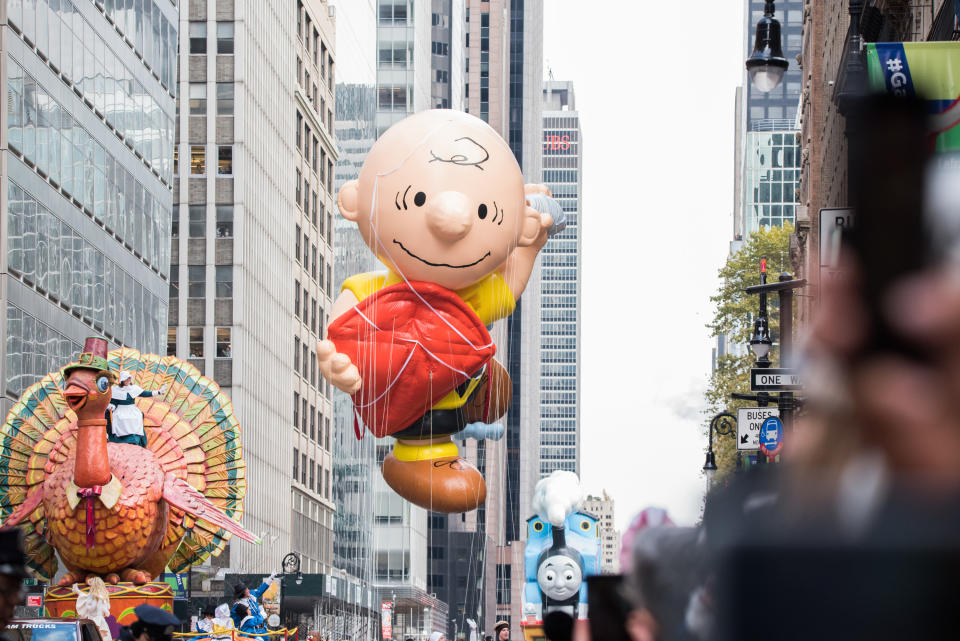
pixel 529 227
pixel 347 200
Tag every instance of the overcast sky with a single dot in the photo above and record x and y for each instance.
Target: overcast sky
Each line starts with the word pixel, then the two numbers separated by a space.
pixel 654 86
pixel 655 90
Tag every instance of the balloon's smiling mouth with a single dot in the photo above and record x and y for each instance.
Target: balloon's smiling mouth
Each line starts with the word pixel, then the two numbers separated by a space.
pixel 427 262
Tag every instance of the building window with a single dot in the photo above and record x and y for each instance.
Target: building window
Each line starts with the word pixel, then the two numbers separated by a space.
pixel 198 99
pixel 198 37
pixel 197 283
pixel 225 160
pixel 196 342
pixel 313 368
pixel 316 45
pixel 303 405
pixel 296 244
pixel 198 160
pixel 297 198
pixel 326 434
pixel 224 346
pixel 306 360
pixel 296 360
pixel 176 160
pixel 303 469
pixel 225 38
pixel 225 98
pixel 296 410
pixel 296 296
pixel 313 479
pixel 313 423
pixel 299 129
pixel 174 281
pixel 198 221
pixel 224 221
pixel 224 281
pixel 313 262
pixel 296 459
pixel 313 210
pixel 326 484
pixel 171 341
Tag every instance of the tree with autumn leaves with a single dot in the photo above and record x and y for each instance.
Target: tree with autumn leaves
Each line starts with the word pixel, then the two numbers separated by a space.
pixel 733 317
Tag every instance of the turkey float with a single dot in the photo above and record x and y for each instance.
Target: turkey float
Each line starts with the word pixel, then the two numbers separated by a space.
pixel 116 510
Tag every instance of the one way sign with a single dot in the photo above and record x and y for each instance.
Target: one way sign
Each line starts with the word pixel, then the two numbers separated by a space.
pixel 771 379
pixel 749 420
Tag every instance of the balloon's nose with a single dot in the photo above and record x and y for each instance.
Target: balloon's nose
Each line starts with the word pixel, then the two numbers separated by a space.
pixel 448 216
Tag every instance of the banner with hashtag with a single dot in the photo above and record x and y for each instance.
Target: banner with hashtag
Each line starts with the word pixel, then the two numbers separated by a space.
pixel 930 70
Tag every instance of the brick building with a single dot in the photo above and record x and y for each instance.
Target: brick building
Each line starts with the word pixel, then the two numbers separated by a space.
pixel 823 177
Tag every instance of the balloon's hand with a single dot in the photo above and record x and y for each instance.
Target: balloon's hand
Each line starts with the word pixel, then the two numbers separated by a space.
pixel 537 188
pixel 337 368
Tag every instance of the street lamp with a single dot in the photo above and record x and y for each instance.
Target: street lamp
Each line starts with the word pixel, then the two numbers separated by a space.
pixel 723 424
pixel 760 342
pixel 766 64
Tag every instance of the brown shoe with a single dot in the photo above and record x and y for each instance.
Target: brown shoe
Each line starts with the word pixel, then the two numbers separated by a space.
pixel 491 399
pixel 448 484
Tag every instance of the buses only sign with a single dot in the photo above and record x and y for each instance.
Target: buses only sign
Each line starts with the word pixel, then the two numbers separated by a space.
pixel 749 420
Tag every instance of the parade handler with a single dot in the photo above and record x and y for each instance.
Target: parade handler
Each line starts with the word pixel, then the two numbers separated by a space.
pixel 441 202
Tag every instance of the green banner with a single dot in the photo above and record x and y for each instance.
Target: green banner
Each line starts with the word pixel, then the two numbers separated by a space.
pixel 929 70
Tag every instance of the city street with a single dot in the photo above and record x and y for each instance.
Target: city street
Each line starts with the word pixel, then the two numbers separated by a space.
pixel 306 337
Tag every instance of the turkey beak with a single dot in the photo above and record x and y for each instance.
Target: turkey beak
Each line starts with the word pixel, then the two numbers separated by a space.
pixel 76 396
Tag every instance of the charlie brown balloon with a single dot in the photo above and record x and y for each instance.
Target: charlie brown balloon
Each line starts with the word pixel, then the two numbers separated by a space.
pixel 441 201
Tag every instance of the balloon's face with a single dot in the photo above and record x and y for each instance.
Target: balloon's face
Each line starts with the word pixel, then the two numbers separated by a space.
pixel 559 577
pixel 441 199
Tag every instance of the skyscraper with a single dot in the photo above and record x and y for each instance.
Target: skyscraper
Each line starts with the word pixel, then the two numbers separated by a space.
pixel 253 218
pixel 504 87
pixel 559 431
pixel 768 158
pixel 85 199
pixel 417 66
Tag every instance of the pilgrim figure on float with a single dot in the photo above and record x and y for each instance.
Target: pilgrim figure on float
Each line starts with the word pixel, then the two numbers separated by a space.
pixel 124 417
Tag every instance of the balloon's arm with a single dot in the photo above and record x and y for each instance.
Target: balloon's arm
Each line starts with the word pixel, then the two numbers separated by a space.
pixel 344 303
pixel 518 266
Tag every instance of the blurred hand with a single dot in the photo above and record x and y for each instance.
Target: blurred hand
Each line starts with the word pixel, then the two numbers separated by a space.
pixel 908 409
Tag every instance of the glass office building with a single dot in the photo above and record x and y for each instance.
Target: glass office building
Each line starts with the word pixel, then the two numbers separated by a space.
pixel 771 175
pixel 87 192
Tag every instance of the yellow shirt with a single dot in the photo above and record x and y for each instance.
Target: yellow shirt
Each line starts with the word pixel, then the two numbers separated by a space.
pixel 490 299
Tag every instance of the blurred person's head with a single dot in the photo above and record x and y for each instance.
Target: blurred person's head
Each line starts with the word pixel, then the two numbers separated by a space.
pixel 666 571
pixel 503 631
pixel 12 572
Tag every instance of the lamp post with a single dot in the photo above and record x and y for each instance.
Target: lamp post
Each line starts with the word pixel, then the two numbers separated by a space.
pixel 723 424
pixel 767 64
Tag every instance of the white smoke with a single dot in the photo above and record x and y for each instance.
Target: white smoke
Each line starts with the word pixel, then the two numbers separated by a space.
pixel 557 497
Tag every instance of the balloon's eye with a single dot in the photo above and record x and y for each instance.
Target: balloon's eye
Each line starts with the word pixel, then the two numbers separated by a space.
pixel 482 211
pixel 569 576
pixel 538 527
pixel 103 383
pixel 585 525
pixel 419 198
pixel 549 577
